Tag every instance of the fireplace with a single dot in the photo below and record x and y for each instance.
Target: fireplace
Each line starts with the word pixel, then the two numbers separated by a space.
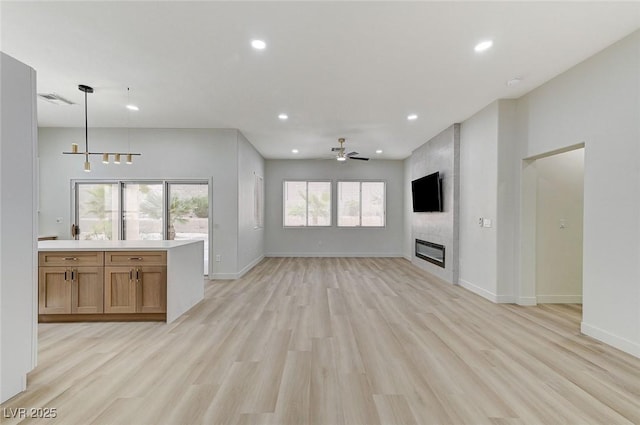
pixel 431 252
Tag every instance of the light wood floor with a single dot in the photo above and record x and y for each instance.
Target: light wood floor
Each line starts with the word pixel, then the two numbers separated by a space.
pixel 336 341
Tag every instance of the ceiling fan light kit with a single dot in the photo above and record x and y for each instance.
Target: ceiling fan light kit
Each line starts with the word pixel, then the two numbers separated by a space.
pixel 341 156
pixel 105 155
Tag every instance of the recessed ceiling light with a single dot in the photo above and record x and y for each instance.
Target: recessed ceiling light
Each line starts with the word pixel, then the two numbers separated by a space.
pixel 379 151
pixel 483 45
pixel 283 117
pixel 258 44
pixel 294 150
pixel 514 81
pixel 133 108
pixel 412 117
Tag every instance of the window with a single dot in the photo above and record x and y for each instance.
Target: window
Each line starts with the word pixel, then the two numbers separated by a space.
pixel 361 204
pixel 307 203
pixel 143 210
pixel 97 211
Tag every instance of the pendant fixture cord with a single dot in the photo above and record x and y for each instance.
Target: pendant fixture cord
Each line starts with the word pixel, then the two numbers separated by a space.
pixel 86 125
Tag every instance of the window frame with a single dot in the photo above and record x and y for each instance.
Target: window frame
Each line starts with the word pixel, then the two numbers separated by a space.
pixel 306 225
pixel 384 204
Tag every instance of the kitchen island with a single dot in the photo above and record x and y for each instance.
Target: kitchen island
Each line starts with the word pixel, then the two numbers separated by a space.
pixel 118 280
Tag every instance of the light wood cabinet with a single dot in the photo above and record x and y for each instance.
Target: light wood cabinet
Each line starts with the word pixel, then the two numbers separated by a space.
pixel 87 291
pixel 135 289
pixel 136 282
pixel 54 290
pixel 70 289
pixel 111 285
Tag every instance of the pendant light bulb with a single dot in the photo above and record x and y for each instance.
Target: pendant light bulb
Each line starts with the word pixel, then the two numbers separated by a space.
pixel 87 167
pixel 105 158
pixel 117 159
pixel 129 158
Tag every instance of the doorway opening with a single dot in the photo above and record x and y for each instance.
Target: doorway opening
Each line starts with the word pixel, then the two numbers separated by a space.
pixel 553 210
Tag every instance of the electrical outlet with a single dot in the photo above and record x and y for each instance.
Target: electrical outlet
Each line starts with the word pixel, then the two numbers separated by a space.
pixel 481 221
pixel 487 222
pixel 218 258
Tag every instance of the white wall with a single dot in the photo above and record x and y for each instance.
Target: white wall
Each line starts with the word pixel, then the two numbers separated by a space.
pixel 18 226
pixel 442 154
pixel 478 198
pixel 559 213
pixel 334 241
pixel 489 179
pixel 408 246
pixel 507 224
pixel 598 103
pixel 166 154
pixel 250 237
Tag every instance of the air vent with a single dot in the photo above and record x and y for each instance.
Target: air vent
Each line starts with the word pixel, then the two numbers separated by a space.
pixel 54 98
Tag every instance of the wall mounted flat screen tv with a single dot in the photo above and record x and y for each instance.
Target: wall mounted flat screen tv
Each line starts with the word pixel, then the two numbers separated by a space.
pixel 427 193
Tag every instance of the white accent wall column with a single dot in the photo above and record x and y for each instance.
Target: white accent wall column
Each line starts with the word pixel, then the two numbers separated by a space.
pixel 18 226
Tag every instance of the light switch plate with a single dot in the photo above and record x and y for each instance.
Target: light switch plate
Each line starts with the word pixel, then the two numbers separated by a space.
pixel 487 222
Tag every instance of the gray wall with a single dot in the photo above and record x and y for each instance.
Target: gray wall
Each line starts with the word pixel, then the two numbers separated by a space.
pixel 334 241
pixel 441 154
pixel 166 154
pixel 250 238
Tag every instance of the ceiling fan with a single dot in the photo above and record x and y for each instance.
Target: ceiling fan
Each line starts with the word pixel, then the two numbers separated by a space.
pixel 342 156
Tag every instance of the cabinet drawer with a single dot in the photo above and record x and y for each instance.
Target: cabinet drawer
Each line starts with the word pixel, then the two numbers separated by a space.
pixel 133 258
pixel 70 258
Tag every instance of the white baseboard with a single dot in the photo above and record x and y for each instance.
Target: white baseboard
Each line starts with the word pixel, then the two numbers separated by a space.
pixel 559 299
pixel 616 341
pixel 478 290
pixel 527 301
pixel 233 276
pixel 334 254
pixel 249 266
pixel 505 299
pixel 407 257
pixel 499 299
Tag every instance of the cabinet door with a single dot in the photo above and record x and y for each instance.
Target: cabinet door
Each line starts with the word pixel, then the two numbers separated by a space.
pixel 54 290
pixel 87 290
pixel 119 290
pixel 151 289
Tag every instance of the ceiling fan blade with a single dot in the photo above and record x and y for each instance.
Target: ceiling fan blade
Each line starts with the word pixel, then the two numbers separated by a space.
pixel 352 153
pixel 358 157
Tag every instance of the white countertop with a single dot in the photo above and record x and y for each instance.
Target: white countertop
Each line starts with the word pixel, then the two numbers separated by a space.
pixel 71 245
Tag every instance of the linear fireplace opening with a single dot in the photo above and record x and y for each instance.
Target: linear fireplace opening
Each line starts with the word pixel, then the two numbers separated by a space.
pixel 431 252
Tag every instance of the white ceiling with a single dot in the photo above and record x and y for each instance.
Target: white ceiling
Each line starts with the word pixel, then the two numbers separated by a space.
pixel 338 69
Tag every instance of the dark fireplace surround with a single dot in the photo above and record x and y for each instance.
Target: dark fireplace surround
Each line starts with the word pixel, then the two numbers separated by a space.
pixel 431 252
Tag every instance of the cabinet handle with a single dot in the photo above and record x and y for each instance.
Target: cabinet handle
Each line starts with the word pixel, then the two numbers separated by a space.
pixel 135 258
pixel 138 275
pixel 65 275
pixel 73 275
pixel 70 258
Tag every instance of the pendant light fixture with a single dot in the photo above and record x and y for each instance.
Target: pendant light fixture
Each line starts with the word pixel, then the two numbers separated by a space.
pixel 87 153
